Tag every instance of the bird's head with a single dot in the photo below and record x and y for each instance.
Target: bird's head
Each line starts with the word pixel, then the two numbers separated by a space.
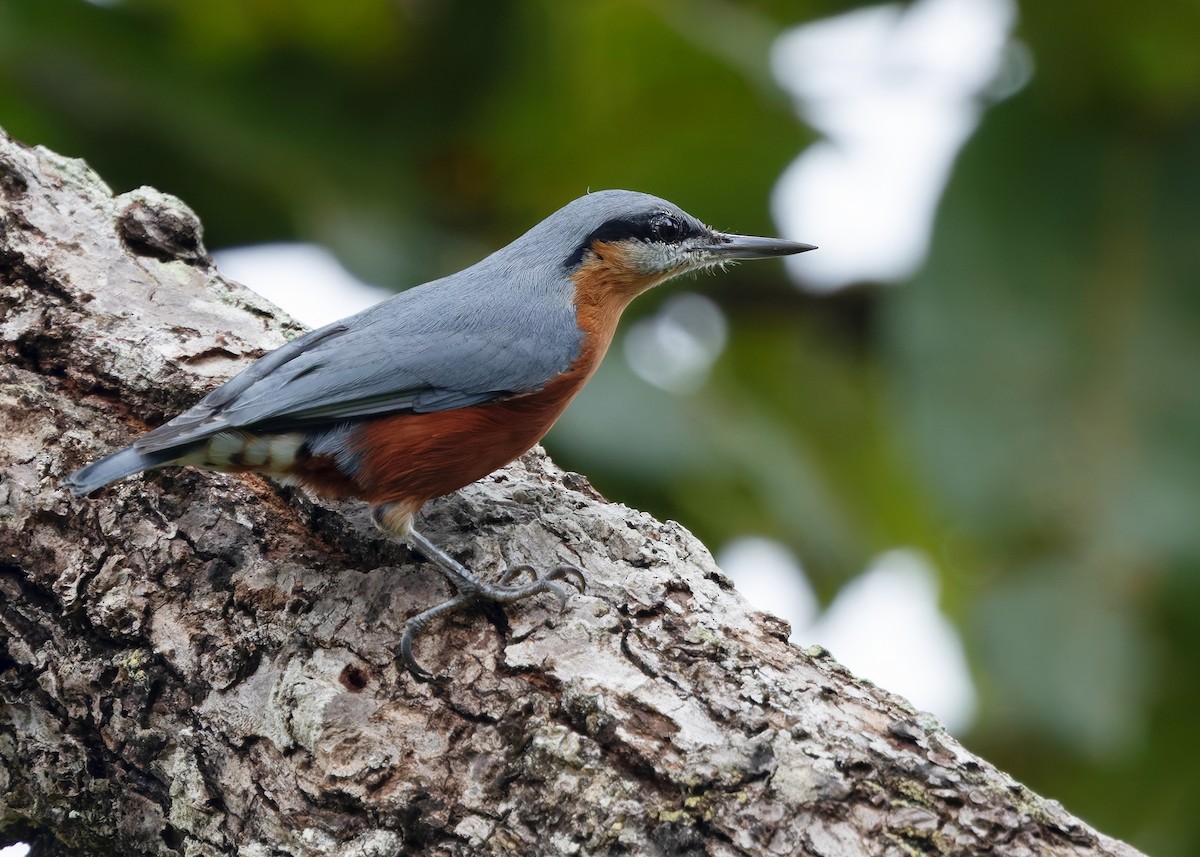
pixel 625 242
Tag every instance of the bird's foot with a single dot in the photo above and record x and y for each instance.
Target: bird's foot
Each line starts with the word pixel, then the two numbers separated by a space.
pixel 472 591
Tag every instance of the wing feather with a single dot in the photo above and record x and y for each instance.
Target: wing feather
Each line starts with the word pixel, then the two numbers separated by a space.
pixel 435 347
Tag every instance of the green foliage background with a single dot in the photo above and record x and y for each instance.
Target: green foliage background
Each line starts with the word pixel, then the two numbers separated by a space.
pixel 1025 410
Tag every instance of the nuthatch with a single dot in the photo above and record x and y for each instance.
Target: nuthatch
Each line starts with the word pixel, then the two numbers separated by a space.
pixel 443 383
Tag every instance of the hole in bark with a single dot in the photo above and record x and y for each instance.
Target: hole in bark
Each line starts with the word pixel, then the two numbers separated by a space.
pixel 172 837
pixel 353 678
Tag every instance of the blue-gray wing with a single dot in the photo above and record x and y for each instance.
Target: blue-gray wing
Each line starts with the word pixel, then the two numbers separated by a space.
pixel 432 348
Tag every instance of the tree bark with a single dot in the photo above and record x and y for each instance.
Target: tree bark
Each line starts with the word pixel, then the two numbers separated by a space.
pixel 202 664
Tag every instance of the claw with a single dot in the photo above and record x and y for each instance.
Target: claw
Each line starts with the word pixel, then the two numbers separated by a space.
pixel 557 591
pixel 516 571
pixel 405 654
pixel 572 573
pixel 416 624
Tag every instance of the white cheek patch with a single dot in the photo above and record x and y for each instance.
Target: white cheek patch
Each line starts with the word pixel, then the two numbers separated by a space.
pixel 656 258
pixel 670 260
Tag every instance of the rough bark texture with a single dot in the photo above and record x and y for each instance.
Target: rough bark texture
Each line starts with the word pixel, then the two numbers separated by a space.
pixel 201 664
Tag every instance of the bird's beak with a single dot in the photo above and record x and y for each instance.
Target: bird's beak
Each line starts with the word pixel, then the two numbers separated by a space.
pixel 725 246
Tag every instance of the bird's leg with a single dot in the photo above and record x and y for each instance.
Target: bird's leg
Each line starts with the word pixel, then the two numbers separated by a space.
pixel 470 589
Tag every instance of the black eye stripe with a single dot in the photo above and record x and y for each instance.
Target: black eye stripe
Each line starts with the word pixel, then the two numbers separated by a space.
pixel 655 226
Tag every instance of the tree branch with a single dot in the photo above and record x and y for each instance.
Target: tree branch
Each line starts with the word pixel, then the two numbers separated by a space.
pixel 203 664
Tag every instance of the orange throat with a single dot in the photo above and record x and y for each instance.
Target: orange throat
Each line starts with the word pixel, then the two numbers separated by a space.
pixel 605 284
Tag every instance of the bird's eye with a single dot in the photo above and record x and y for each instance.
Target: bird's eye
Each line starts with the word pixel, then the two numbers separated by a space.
pixel 666 228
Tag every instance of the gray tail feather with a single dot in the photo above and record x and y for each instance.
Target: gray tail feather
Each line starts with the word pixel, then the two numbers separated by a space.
pixel 120 464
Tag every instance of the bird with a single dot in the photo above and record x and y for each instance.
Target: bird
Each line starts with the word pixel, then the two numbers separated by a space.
pixel 445 382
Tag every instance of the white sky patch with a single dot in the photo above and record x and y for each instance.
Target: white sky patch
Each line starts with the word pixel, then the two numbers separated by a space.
pixel 885 625
pixel 306 280
pixel 896 91
pixel 771 578
pixel 676 348
pixel 18 850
